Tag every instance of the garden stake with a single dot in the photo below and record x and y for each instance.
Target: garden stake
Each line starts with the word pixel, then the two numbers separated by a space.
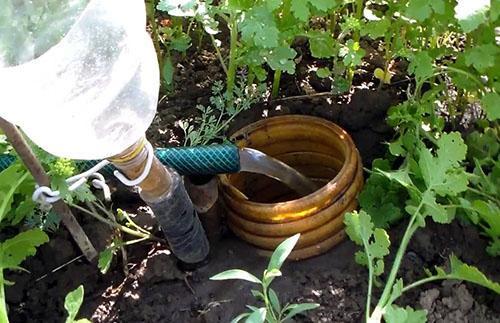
pixel 33 165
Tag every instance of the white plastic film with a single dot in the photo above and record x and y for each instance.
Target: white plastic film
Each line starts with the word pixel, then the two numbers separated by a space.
pixel 86 88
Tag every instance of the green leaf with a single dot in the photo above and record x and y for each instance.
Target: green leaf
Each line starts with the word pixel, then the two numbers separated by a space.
pixel 300 9
pixel 471 14
pixel 236 274
pixel 295 309
pixel 400 176
pixel 419 9
pixel 72 303
pixel 396 314
pixel 462 271
pixel 181 42
pixel 259 28
pixel 435 210
pixel 352 54
pixel 376 242
pixel 491 104
pixel 281 58
pixel 105 258
pixel 376 29
pixel 15 250
pixel 11 179
pixel 282 252
pixel 323 72
pixel 168 71
pixel 421 66
pixel 258 316
pixel 240 317
pixel 275 302
pixel 273 4
pixel 321 44
pixel 481 57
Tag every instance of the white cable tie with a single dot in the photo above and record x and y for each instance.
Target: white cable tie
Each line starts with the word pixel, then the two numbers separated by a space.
pixel 145 172
pixel 100 183
pixel 45 195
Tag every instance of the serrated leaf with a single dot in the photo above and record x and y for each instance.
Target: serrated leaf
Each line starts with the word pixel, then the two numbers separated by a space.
pixel 295 309
pixel 481 57
pixel 15 250
pixel 462 271
pixel 282 252
pixel 435 210
pixel 321 44
pixel 236 274
pixel 471 14
pixel 396 314
pixel 281 58
pixel 105 258
pixel 491 104
pixel 421 66
pixel 273 4
pixel 351 53
pixel 419 9
pixel 300 9
pixel 376 29
pixel 376 242
pixel 259 28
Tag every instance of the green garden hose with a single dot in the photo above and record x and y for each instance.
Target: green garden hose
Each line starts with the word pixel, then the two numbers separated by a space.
pixel 200 160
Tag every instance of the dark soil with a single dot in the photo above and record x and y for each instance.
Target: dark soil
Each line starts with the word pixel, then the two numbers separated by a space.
pixel 155 290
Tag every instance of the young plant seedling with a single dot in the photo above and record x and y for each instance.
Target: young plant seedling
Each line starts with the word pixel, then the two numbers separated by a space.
pixel 272 311
pixel 72 304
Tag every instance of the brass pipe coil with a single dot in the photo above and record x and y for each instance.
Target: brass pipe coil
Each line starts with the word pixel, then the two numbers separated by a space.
pixel 319 149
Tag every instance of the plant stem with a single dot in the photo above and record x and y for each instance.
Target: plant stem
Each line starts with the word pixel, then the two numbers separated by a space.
pixel 333 22
pixel 218 53
pixel 359 15
pixel 3 306
pixel 424 281
pixel 231 70
pixel 478 192
pixel 370 284
pixel 410 230
pixel 113 224
pixel 276 84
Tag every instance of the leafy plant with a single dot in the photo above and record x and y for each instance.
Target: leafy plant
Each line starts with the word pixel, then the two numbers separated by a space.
pixel 12 253
pixel 272 311
pixel 215 118
pixel 72 303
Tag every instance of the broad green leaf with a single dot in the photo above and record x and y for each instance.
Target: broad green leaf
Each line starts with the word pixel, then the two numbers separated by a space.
pixel 258 316
pixel 419 9
pixel 421 66
pixel 181 42
pixel 72 303
pixel 273 4
pixel 300 9
pixel 105 258
pixel 275 302
pixel 15 250
pixel 259 28
pixel 240 4
pixel 282 252
pixel 400 176
pixel 323 5
pixel 11 179
pixel 471 14
pixel 281 58
pixel 488 214
pixel 323 72
pixel 376 29
pixel 295 309
pixel 321 44
pixel 462 271
pixel 481 57
pixel 236 274
pixel 491 104
pixel 396 314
